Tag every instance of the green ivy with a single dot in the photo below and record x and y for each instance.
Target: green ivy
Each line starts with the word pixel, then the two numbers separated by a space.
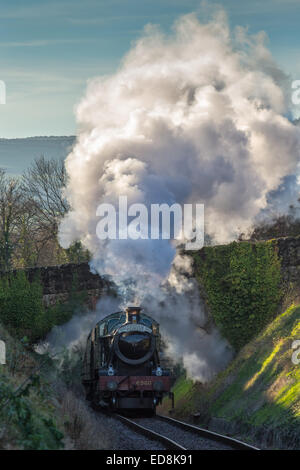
pixel 21 306
pixel 242 284
pixel 22 310
pixel 62 312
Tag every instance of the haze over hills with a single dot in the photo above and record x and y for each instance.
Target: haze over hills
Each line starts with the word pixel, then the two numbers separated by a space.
pixel 17 154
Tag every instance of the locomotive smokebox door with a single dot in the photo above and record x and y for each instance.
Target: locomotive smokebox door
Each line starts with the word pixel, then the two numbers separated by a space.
pixel 133 314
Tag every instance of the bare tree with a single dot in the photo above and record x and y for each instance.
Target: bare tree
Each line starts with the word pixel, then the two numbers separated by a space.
pixel 43 185
pixel 31 208
pixel 11 207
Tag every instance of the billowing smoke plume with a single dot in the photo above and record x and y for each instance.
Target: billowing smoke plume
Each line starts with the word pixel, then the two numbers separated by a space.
pixel 197 116
pixel 75 332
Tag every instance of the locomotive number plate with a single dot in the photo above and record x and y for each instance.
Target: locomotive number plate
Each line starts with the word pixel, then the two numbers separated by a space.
pixel 143 383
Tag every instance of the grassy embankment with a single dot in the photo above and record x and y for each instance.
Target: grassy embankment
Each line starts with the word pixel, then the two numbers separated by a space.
pixel 27 408
pixel 258 396
pixel 45 412
pixel 42 412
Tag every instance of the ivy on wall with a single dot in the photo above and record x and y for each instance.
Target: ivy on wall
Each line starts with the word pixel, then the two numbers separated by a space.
pixel 21 306
pixel 22 310
pixel 242 284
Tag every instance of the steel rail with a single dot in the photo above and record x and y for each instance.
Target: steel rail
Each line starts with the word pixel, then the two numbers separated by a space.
pixel 230 441
pixel 168 443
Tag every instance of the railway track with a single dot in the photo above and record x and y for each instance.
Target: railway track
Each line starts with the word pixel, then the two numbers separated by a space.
pixel 177 435
pixel 150 433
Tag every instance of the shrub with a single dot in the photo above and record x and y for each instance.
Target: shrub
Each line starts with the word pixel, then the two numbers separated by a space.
pixel 35 428
pixel 21 306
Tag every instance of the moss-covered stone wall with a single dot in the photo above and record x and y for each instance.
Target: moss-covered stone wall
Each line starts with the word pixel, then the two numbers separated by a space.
pixel 58 282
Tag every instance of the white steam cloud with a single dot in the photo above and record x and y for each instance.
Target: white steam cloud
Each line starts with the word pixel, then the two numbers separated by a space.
pixel 194 117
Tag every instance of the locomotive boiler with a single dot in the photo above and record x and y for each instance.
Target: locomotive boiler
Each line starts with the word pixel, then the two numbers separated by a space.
pixel 121 366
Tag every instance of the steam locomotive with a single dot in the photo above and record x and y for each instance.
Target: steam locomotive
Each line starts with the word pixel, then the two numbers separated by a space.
pixel 121 366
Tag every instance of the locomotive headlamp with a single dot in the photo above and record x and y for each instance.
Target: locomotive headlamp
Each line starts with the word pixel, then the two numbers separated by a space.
pixel 158 372
pixel 112 385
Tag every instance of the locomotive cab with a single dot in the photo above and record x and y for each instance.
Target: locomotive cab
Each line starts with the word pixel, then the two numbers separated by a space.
pixel 121 367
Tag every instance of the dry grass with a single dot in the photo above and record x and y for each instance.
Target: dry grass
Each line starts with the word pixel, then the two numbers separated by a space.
pixel 84 429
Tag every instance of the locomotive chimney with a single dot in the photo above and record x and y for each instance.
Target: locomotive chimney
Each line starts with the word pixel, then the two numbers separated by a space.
pixel 133 314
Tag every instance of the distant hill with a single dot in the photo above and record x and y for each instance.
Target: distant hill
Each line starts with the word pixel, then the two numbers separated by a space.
pixel 17 154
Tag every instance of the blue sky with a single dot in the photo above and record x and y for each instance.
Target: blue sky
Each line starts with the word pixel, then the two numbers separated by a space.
pixel 49 49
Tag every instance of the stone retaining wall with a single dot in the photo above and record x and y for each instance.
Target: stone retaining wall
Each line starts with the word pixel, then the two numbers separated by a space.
pixel 59 281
